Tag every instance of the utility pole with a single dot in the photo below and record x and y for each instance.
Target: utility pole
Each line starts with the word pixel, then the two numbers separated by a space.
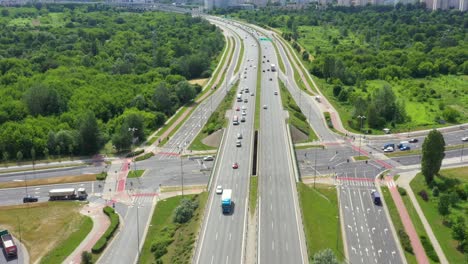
pixel 133 129
pixel 360 138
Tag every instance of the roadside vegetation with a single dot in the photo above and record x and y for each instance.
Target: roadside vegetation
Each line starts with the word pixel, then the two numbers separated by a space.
pixel 425 241
pixel 173 229
pixel 319 206
pixel 38 224
pixel 253 193
pixel 144 156
pixel 444 203
pixel 135 173
pixel 102 243
pixel 296 117
pixel 74 78
pixel 216 121
pixel 403 67
pixel 399 228
pixel 52 180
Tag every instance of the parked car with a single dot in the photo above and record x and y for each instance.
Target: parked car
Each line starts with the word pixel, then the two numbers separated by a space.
pixel 208 158
pixel 389 149
pixel 405 147
pixel 30 199
pixel 219 189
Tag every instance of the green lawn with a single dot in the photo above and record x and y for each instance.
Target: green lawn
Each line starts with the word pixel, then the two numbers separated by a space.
pixel 320 206
pixel 361 157
pixel 135 173
pixel 442 232
pixel 420 230
pixel 280 59
pixel 410 257
pixel 253 194
pixel 180 237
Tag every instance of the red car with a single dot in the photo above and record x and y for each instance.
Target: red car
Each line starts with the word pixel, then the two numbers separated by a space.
pixel 237 109
pixel 235 165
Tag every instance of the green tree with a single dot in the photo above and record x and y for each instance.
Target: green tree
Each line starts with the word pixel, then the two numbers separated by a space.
pixel 185 92
pixel 89 134
pixel 459 230
pixel 42 100
pixel 444 205
pixel 5 156
pixel 433 150
pixel 19 156
pixel 326 256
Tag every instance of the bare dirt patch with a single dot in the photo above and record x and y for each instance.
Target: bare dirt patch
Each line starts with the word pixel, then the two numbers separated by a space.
pixel 214 139
pixel 297 135
pixel 36 22
pixel 200 82
pixel 47 181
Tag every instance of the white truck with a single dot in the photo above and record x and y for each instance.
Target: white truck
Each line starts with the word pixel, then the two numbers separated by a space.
pixel 68 194
pixel 273 68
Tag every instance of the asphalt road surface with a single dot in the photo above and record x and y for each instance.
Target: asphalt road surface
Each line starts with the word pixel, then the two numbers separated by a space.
pixel 222 236
pixel 280 234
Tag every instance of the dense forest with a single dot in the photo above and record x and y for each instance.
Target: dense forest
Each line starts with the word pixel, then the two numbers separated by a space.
pixel 384 62
pixel 74 77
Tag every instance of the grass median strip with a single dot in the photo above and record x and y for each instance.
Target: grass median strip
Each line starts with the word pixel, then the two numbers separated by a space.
pixel 403 236
pixel 280 59
pixel 296 117
pixel 172 233
pixel 320 215
pixel 216 121
pixel 135 173
pixel 47 181
pixel 38 225
pixel 253 194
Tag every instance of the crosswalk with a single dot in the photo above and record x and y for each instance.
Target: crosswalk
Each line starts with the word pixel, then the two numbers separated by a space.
pixel 345 182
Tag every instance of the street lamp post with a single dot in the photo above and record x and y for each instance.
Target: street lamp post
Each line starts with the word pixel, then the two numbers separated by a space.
pixel 133 129
pixel 360 130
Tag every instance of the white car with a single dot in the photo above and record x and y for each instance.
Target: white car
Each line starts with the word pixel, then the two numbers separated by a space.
pixel 265 106
pixel 464 138
pixel 244 107
pixel 219 189
pixel 239 135
pixel 389 149
pixel 244 113
pixel 252 94
pixel 208 158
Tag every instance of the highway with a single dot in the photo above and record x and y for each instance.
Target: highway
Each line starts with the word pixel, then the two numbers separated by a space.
pixel 280 236
pixel 222 236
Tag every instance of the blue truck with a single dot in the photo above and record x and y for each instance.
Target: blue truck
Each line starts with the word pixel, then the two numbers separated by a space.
pixel 226 201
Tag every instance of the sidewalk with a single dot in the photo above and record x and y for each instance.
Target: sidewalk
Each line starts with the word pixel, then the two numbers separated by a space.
pixel 100 224
pixel 404 181
pixel 418 249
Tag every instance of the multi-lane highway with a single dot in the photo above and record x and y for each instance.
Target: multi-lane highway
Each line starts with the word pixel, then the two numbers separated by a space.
pixel 222 237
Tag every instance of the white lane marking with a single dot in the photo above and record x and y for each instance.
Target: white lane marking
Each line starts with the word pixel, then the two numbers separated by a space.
pixel 212 259
pixel 216 237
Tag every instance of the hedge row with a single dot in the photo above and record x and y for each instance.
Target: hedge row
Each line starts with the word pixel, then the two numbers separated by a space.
pixel 102 242
pixel 135 153
pixel 146 156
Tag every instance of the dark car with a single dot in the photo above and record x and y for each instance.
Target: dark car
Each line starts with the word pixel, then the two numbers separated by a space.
pixel 413 140
pixel 30 199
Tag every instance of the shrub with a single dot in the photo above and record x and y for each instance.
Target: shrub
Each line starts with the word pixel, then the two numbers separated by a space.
pixel 424 195
pixel 99 246
pixel 429 249
pixel 86 257
pixel 145 156
pixel 184 212
pixel 159 247
pixel 102 242
pixel 135 153
pixel 402 191
pixel 405 241
pixel 435 191
pixel 101 176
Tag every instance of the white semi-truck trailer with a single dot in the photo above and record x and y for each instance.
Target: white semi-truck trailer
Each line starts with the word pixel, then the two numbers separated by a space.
pixel 68 194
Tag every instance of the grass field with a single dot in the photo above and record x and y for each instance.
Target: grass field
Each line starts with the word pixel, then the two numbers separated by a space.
pixel 181 237
pixel 442 232
pixel 320 206
pixel 410 257
pixel 296 117
pixel 420 230
pixel 47 181
pixel 135 173
pixel 65 248
pixel 253 194
pixel 39 224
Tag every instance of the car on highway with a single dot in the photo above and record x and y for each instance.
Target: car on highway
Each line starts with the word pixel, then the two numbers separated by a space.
pixel 252 94
pixel 265 106
pixel 235 165
pixel 237 108
pixel 238 143
pixel 413 140
pixel 263 70
pixel 405 147
pixel 208 158
pixel 30 199
pixel 271 79
pixel 246 100
pixel 268 69
pixel 219 189
pixel 276 93
pixel 464 138
pixel 244 113
pixel 243 119
pixel 244 107
pixel 239 135
pixel 268 60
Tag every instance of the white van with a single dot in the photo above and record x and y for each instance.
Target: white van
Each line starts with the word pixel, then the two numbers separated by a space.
pixel 239 97
pixel 235 120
